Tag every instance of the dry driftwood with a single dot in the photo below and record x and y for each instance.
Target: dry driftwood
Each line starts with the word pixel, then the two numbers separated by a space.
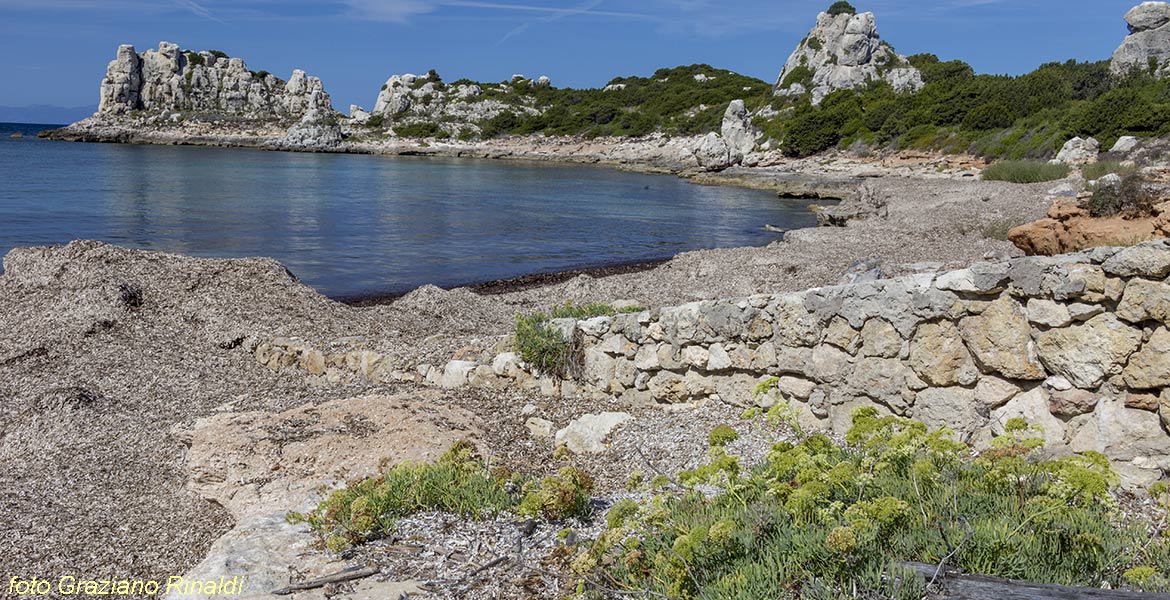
pixel 349 574
pixel 961 586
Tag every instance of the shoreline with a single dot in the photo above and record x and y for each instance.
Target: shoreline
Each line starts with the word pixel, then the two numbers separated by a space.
pixel 520 283
pixel 831 176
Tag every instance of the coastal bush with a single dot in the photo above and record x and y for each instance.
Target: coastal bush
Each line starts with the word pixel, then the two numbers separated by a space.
pixel 841 7
pixel 219 54
pixel 422 129
pixel 193 58
pixel 375 121
pixel 546 349
pixel 459 483
pixel 674 101
pixel 1024 171
pixel 822 520
pixel 1128 197
pixel 558 497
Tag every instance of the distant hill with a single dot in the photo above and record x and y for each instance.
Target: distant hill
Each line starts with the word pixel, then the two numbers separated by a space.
pixel 45 114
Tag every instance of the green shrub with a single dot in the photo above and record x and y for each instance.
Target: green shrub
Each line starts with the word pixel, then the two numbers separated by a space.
pixel 195 59
pixel 721 436
pixel 565 495
pixel 422 129
pixel 1024 171
pixel 219 54
pixel 376 120
pixel 1128 198
pixel 841 7
pixel 801 74
pixel 818 520
pixel 545 348
pixel 815 43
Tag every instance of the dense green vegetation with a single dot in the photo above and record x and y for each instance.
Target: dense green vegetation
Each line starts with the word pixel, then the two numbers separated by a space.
pixel 819 520
pixel 671 101
pixel 1028 116
pixel 1010 117
pixel 458 483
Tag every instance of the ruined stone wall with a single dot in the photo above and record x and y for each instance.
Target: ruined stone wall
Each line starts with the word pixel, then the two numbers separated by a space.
pixel 1076 344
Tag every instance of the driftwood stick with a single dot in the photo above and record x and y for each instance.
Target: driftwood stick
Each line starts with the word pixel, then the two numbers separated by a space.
pixel 349 574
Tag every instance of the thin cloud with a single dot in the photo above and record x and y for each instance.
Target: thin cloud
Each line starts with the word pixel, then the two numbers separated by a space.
pixel 558 14
pixel 198 9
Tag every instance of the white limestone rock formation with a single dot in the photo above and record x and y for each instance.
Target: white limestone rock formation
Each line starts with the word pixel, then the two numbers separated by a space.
pixel 1078 152
pixel 317 130
pixel 410 98
pixel 844 51
pixel 735 141
pixel 738 130
pixel 1147 47
pixel 173 80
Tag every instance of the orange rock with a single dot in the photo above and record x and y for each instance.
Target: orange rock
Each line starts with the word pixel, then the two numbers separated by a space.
pixel 1039 237
pixel 1062 210
pixel 1077 232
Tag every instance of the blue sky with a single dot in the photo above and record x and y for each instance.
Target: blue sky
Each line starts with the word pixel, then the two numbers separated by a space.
pixel 56 50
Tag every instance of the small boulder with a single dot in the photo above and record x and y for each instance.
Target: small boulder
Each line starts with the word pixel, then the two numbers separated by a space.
pixel 1079 151
pixel 587 434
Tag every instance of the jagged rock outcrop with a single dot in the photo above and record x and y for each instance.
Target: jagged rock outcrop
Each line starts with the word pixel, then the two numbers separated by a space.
pixel 409 98
pixel 844 51
pixel 318 129
pixel 171 79
pixel 1147 47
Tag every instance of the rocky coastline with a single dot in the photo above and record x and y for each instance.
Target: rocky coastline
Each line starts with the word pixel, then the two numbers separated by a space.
pixel 189 405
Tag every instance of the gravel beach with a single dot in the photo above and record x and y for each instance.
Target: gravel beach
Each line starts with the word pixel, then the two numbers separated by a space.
pixel 108 350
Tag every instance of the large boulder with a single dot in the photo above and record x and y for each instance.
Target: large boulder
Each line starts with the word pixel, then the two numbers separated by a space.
pixel 713 153
pixel 1147 47
pixel 587 434
pixel 844 51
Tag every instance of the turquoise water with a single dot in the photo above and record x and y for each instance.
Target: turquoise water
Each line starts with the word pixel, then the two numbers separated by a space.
pixel 351 225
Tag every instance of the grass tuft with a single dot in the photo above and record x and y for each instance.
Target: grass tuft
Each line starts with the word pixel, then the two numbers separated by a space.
pixel 459 483
pixel 1024 171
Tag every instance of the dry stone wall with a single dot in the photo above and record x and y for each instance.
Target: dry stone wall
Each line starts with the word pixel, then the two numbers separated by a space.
pixel 1077 344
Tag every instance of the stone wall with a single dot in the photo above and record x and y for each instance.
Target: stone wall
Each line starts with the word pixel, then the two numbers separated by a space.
pixel 1076 344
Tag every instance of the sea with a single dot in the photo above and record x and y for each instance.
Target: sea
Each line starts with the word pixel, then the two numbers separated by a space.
pixel 355 226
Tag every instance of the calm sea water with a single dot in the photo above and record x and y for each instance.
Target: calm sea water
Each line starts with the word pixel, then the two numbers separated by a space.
pixel 351 225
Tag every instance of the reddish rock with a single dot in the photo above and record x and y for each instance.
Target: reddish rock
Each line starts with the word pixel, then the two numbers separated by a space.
pixel 1071 403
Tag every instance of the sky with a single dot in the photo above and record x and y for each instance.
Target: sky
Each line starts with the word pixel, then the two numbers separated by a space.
pixel 56 51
